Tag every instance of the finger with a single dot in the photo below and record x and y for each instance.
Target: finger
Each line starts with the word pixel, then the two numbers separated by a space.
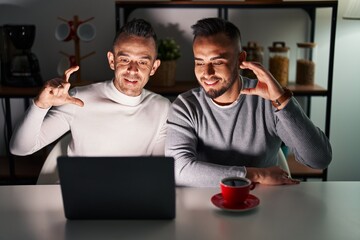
pixel 250 65
pixel 58 91
pixel 70 71
pixel 291 181
pixel 75 101
pixel 53 83
pixel 245 64
pixel 286 179
pixel 65 85
pixel 55 91
pixel 257 68
pixel 248 91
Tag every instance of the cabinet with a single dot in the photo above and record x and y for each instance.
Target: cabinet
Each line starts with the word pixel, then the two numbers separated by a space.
pixel 124 9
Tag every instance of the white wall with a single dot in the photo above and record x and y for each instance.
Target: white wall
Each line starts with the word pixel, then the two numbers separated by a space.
pixel 344 133
pixel 44 14
pixel 345 117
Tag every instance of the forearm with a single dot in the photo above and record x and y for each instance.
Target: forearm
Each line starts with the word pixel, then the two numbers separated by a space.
pixel 34 131
pixel 189 171
pixel 309 144
pixel 23 140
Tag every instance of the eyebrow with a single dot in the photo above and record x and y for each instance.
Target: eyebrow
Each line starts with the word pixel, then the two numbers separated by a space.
pixel 120 53
pixel 221 56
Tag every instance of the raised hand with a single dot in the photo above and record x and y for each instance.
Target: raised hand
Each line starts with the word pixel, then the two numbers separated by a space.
pixel 267 86
pixel 56 92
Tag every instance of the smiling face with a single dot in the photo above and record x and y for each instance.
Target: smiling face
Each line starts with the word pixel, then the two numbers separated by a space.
pixel 134 60
pixel 217 62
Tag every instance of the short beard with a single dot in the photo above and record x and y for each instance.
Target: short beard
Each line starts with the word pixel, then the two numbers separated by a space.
pixel 212 93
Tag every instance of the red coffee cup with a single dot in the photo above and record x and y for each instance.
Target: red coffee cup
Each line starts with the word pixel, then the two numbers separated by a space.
pixel 235 190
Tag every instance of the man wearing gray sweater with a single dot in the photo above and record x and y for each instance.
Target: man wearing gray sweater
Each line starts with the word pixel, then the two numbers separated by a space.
pixel 232 125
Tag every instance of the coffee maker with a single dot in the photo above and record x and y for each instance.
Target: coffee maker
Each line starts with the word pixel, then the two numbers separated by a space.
pixel 19 66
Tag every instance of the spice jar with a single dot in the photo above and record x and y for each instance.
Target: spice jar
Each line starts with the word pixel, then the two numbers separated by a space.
pixel 279 62
pixel 305 63
pixel 254 53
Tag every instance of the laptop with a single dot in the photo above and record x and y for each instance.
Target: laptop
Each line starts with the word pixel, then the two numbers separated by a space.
pixel 117 187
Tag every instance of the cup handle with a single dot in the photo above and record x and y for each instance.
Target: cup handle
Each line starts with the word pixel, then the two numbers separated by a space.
pixel 252 186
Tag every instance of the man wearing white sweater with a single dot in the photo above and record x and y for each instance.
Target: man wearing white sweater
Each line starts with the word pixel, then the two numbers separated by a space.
pixel 110 118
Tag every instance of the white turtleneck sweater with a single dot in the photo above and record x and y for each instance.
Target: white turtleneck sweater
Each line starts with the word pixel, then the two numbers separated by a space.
pixel 110 124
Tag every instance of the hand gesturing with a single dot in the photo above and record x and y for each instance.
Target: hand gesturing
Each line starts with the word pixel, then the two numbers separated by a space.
pixel 56 92
pixel 267 87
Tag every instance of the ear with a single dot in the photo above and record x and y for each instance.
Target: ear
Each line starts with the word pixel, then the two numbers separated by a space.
pixel 242 57
pixel 110 57
pixel 155 66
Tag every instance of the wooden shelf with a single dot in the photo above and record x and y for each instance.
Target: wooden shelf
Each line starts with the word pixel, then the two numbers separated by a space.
pixel 183 86
pixel 307 90
pixel 244 4
pixel 27 92
pixel 18 92
pixel 179 87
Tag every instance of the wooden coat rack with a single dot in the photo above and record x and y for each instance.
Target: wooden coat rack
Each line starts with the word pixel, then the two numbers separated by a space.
pixel 75 60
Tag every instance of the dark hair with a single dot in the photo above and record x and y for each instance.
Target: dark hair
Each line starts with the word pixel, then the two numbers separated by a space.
pixel 137 27
pixel 212 26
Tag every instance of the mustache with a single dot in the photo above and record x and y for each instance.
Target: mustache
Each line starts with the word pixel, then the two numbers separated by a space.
pixel 213 78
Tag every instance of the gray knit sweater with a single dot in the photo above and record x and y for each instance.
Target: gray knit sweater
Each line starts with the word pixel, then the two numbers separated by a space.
pixel 210 142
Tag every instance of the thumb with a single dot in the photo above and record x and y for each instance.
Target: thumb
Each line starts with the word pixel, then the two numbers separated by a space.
pixel 75 101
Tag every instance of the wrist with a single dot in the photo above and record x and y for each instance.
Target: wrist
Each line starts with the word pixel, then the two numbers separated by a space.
pixel 252 174
pixel 281 102
pixel 40 105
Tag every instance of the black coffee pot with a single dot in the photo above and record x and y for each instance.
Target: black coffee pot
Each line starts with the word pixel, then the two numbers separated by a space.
pixel 19 66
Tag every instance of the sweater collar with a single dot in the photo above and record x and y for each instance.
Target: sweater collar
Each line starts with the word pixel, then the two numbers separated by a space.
pixel 123 98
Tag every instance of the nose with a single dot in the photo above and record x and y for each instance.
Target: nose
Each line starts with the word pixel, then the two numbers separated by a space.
pixel 132 67
pixel 208 70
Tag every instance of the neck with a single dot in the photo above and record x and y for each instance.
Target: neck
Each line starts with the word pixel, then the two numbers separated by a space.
pixel 231 95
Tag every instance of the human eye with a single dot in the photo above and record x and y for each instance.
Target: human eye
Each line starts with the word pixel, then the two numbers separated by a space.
pixel 124 60
pixel 143 62
pixel 218 62
pixel 199 63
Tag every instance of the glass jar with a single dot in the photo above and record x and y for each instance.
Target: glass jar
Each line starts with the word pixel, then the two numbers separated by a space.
pixel 254 53
pixel 279 62
pixel 305 63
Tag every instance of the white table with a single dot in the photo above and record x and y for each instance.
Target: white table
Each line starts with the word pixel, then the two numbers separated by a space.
pixel 311 210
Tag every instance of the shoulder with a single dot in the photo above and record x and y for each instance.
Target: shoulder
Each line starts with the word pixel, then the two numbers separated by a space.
pixel 155 99
pixel 191 104
pixel 194 96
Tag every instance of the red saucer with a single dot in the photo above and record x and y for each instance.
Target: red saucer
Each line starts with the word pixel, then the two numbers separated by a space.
pixel 250 203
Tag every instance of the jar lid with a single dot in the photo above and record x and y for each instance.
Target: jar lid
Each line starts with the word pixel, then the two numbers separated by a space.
pixel 253 46
pixel 306 45
pixel 278 47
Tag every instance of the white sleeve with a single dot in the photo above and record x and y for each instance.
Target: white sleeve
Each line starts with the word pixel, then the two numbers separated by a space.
pixel 38 128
